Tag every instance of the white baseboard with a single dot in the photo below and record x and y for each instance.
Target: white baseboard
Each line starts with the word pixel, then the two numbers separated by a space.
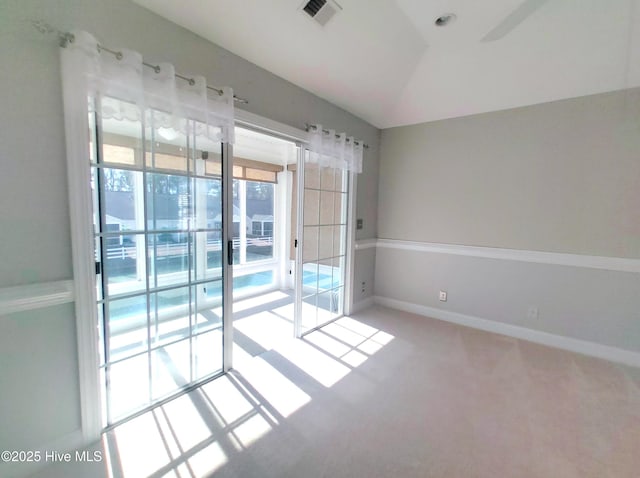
pixel 362 304
pixel 592 349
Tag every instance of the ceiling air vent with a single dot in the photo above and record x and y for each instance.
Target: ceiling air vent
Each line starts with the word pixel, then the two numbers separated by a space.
pixel 321 10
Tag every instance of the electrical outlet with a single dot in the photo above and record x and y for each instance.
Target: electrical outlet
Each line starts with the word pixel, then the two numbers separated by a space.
pixel 363 286
pixel 443 296
pixel 532 313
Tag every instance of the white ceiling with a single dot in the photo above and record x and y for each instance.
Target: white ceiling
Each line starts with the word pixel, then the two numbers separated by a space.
pixel 386 62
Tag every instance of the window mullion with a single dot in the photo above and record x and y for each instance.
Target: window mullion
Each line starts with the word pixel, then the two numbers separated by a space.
pixel 242 195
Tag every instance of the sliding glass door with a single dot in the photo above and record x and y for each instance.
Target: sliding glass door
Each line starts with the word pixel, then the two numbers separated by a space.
pixel 160 252
pixel 323 233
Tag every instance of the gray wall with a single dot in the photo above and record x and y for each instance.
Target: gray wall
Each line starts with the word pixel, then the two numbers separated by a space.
pixel 557 177
pixel 34 237
pixel 587 304
pixel 365 263
pixel 38 377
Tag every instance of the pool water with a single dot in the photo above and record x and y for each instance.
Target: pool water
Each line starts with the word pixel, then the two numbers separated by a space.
pixel 136 307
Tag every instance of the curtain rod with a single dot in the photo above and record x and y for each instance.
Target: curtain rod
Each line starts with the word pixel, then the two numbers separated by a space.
pixel 66 37
pixel 309 126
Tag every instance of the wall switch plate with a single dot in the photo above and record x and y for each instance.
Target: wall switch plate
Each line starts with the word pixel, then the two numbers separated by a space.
pixel 443 296
pixel 359 223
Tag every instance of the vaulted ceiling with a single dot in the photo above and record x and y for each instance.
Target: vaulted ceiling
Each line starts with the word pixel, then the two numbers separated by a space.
pixel 387 62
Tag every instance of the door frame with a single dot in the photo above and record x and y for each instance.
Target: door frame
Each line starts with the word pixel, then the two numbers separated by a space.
pixel 300 137
pixel 83 252
pixel 227 265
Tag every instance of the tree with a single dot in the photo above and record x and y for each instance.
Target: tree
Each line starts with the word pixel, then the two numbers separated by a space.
pixel 259 190
pixel 118 180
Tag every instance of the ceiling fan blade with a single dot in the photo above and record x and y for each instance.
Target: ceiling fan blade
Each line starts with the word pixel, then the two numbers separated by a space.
pixel 514 19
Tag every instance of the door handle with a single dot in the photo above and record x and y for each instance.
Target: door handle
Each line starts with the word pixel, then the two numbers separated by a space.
pixel 230 252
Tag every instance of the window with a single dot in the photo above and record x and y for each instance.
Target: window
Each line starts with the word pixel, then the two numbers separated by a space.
pixel 258 189
pixel 253 215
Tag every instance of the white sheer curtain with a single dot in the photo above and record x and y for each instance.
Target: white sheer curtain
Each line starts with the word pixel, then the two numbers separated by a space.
pixel 336 150
pixel 129 90
pixel 120 90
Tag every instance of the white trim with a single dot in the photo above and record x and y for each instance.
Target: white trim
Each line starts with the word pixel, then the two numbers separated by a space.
pixel 584 347
pixel 82 242
pixel 242 226
pixel 362 305
pixel 350 259
pixel 297 314
pixel 273 127
pixel 619 264
pixel 363 244
pixel 35 296
pixel 227 269
pixel 281 226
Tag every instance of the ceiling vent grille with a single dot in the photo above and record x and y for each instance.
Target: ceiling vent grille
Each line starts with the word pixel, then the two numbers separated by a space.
pixel 321 10
pixel 314 6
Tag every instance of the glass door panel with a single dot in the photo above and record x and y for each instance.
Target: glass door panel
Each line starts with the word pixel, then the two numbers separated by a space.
pixel 320 290
pixel 159 245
